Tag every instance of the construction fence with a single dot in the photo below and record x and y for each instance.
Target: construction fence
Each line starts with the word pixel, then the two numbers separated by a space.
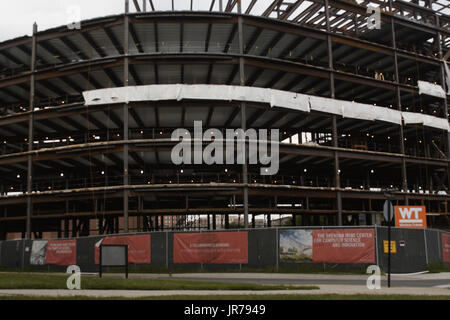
pixel 278 249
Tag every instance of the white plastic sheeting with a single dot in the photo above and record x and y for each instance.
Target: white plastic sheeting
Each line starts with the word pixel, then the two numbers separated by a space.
pixel 290 100
pixel 275 98
pixel 439 123
pixel 447 78
pixel 387 115
pixel 358 110
pixel 431 89
pixel 426 120
pixel 326 105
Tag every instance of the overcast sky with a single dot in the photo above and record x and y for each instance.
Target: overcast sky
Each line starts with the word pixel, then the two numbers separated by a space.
pixel 17 16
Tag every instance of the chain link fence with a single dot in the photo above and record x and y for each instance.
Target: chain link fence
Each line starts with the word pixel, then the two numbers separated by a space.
pixel 277 249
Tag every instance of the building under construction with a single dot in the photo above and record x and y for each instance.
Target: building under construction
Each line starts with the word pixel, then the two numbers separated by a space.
pixel 358 91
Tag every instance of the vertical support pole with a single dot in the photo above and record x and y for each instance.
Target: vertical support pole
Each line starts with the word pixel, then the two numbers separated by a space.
pixel 126 264
pixel 277 247
pixel 441 56
pixel 337 177
pixel 66 222
pixel 243 114
pixel 389 244
pixel 31 135
pixel 399 107
pixel 221 5
pixel 426 246
pixel 125 120
pixel 100 262
pixel 167 250
pixel 139 213
pixel 376 247
pixel 74 227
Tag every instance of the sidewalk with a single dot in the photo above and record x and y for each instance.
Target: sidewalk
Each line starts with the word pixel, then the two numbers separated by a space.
pixel 324 289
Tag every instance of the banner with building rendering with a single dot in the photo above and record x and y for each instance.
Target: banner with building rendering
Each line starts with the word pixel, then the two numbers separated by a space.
pixel 327 246
pixel 54 252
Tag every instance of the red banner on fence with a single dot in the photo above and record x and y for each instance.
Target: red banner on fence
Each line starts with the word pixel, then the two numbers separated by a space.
pixel 344 246
pixel 138 247
pixel 445 247
pixel 61 253
pixel 214 248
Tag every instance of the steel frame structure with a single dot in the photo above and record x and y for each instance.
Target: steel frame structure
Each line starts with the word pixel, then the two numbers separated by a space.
pixel 76 170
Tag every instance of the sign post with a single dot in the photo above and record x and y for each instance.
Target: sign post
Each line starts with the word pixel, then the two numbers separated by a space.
pixel 388 210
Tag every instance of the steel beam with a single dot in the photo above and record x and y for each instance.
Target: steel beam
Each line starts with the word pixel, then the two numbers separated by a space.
pixel 31 135
pixel 126 180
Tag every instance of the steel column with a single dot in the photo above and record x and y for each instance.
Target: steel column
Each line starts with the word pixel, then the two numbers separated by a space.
pixel 243 114
pixel 31 135
pixel 399 107
pixel 443 61
pixel 337 177
pixel 443 80
pixel 125 119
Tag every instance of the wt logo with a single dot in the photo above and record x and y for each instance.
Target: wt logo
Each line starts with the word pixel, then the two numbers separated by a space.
pixel 73 17
pixel 374 280
pixel 410 216
pixel 374 20
pixel 406 214
pixel 74 281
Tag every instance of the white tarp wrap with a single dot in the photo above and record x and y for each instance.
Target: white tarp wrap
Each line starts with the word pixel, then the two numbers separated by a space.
pixel 357 110
pixel 387 115
pixel 326 105
pixel 290 100
pixel 431 89
pixel 434 122
pixel 247 94
pixel 276 98
pixel 199 92
pixel 447 78
pixel 412 118
pixel 426 120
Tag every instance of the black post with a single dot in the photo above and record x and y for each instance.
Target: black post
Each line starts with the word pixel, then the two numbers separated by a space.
pixel 389 245
pixel 100 262
pixel 126 264
pixel 389 196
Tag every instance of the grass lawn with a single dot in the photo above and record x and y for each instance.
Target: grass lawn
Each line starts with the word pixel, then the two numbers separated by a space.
pixel 48 281
pixel 248 297
pixel 303 269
